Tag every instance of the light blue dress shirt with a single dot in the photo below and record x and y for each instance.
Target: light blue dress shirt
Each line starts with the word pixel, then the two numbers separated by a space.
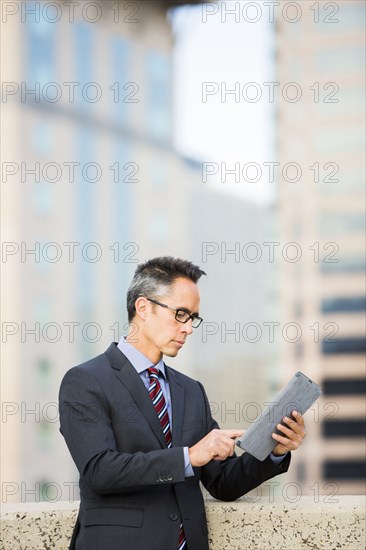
pixel 141 363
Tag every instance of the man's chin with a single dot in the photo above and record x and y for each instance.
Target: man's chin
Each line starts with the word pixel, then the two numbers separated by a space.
pixel 172 349
pixel 170 352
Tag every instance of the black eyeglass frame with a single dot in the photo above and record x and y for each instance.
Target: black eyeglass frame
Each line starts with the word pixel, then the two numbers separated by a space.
pixel 193 317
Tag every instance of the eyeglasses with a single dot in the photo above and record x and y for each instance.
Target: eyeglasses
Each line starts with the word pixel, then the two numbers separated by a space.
pixel 181 315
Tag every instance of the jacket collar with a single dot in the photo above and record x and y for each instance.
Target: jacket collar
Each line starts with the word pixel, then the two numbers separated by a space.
pixel 129 377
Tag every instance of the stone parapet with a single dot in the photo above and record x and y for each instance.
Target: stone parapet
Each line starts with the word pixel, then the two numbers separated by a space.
pixel 239 525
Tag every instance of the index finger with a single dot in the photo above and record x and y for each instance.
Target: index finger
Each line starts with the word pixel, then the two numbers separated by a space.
pixel 233 433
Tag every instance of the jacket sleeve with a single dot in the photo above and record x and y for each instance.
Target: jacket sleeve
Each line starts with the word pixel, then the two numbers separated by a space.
pixel 237 475
pixel 85 423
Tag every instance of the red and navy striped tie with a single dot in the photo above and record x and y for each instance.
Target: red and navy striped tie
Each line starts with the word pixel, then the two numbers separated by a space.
pixel 159 403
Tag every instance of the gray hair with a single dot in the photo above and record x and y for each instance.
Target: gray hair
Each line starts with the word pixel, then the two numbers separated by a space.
pixel 155 277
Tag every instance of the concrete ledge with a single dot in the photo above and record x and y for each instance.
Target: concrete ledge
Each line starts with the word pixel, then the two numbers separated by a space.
pixel 239 525
pixel 282 525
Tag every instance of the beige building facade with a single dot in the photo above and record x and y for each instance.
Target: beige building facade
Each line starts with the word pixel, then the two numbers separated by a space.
pixel 321 209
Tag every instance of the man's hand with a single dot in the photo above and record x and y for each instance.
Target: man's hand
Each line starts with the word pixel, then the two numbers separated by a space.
pixel 216 445
pixel 294 433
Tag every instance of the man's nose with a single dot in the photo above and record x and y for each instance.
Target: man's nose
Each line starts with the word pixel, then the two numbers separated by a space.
pixel 187 327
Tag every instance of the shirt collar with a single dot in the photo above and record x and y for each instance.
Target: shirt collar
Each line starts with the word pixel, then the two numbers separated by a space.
pixel 137 359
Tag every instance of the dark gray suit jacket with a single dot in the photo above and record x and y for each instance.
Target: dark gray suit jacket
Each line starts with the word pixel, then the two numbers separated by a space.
pixel 133 489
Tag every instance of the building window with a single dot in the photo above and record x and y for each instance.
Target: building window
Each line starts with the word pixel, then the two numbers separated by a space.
pixel 344 386
pixel 345 264
pixel 298 309
pixel 43 194
pixel 43 368
pixel 158 98
pixel 301 471
pixel 344 469
pixel 299 350
pixel 41 139
pixel 344 428
pixel 344 345
pixel 120 50
pixel 351 141
pixel 351 182
pixel 84 60
pixel 41 309
pixel 346 59
pixel 352 304
pixel 159 172
pixel 341 223
pixel 40 52
pixel 350 16
pixel 44 434
pixel 351 102
pixel 85 208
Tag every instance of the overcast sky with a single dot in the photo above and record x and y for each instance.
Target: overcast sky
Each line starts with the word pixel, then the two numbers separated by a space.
pixel 221 54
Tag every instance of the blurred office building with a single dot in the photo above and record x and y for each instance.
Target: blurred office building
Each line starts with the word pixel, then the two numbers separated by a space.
pixel 321 209
pixel 91 186
pixel 235 356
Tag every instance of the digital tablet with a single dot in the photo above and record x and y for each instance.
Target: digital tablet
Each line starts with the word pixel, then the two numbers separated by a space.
pixel 299 394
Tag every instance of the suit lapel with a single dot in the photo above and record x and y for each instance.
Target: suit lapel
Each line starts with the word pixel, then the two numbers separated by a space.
pixel 128 376
pixel 177 400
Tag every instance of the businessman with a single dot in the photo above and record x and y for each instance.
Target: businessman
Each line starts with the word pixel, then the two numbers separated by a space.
pixel 141 433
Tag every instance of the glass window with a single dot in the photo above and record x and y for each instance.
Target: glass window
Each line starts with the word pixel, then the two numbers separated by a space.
pixel 351 17
pixel 42 139
pixel 85 215
pixel 120 74
pixel 346 264
pixel 298 309
pixel 299 350
pixel 344 469
pixel 43 367
pixel 84 60
pixel 43 198
pixel 351 102
pixel 159 172
pixel 40 51
pixel 344 345
pixel 350 427
pixel 347 304
pixel 42 310
pixel 341 223
pixel 44 434
pixel 346 59
pixel 347 140
pixel 344 386
pixel 125 252
pixel 351 181
pixel 158 98
pixel 42 265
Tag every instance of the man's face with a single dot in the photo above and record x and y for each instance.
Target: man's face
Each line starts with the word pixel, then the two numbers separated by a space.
pixel 162 333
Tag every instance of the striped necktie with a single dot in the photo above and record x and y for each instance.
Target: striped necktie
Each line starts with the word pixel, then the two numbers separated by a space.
pixel 158 399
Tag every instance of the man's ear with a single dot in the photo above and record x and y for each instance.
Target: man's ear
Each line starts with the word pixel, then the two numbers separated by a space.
pixel 141 307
